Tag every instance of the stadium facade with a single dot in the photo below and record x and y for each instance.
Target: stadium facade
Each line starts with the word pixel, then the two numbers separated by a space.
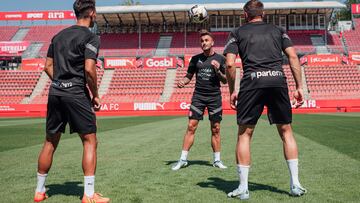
pixel 145 47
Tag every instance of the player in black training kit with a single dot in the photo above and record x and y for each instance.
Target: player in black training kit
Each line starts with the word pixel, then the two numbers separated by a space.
pixel 209 68
pixel 70 64
pixel 260 47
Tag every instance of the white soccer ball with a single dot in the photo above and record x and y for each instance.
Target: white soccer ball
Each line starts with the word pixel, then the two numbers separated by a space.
pixel 198 14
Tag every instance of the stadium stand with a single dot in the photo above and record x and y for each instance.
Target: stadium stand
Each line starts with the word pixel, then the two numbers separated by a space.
pixel 16 85
pixel 43 96
pixel 351 37
pixel 147 84
pixel 193 43
pixel 43 34
pixel 136 85
pixel 334 44
pixel 114 44
pixel 7 32
pixel 302 40
pixel 333 82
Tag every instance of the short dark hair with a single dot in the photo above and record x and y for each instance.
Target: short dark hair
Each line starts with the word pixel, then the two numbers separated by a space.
pixel 254 8
pixel 204 32
pixel 82 8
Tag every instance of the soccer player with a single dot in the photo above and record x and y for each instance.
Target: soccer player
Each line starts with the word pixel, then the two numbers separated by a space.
pixel 209 68
pixel 260 47
pixel 70 64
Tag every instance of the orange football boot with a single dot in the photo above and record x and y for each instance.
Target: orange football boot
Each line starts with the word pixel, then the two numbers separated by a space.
pixel 40 196
pixel 97 198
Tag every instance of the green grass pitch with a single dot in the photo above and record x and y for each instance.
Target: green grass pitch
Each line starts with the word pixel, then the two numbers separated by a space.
pixel 135 155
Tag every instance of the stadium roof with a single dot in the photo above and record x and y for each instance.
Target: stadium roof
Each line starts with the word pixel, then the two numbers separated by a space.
pixel 175 13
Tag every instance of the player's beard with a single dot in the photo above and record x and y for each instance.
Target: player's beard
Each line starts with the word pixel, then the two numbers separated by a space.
pixel 206 48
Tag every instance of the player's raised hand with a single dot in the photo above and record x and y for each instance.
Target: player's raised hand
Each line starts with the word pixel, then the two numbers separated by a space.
pixel 181 84
pixel 96 103
pixel 233 100
pixel 298 98
pixel 216 65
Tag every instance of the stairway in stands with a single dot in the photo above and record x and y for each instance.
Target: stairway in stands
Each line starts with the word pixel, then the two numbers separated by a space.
pixel 20 34
pixel 39 88
pixel 163 45
pixel 105 82
pixel 169 85
pixel 33 50
pixel 319 43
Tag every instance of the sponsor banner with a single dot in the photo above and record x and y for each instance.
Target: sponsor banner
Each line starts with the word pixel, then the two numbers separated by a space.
pixel 324 59
pixel 187 58
pixel 166 62
pixel 307 104
pixel 22 107
pixel 120 62
pixel 174 106
pixel 354 57
pixel 33 64
pixel 149 106
pixel 13 48
pixel 355 8
pixel 38 15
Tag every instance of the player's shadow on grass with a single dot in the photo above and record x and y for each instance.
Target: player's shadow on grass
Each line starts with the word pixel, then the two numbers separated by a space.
pixel 229 186
pixel 67 188
pixel 191 162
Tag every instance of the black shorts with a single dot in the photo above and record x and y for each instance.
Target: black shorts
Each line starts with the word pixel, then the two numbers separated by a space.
pixel 251 104
pixel 77 111
pixel 212 103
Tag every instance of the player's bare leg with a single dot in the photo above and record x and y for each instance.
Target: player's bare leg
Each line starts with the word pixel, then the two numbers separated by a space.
pixel 89 168
pixel 216 144
pixel 215 136
pixel 190 134
pixel 291 157
pixel 44 164
pixel 289 143
pixel 187 143
pixel 47 153
pixel 89 154
pixel 243 160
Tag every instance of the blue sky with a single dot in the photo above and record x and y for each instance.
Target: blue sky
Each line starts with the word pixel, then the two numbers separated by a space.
pixel 36 5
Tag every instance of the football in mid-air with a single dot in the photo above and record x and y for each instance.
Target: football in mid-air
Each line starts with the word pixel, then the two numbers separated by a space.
pixel 198 14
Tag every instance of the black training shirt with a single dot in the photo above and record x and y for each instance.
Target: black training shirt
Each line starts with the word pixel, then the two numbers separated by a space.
pixel 69 49
pixel 260 46
pixel 207 81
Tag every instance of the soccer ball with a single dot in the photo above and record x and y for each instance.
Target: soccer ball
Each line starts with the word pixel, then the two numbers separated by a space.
pixel 198 14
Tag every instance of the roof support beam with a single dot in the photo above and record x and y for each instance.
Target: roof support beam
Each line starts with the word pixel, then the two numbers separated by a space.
pixel 106 20
pixel 120 20
pixel 148 17
pixel 175 17
pixel 163 17
pixel 132 14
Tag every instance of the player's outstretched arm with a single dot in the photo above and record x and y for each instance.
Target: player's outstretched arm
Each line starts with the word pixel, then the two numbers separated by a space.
pixel 49 67
pixel 296 72
pixel 91 78
pixel 230 75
